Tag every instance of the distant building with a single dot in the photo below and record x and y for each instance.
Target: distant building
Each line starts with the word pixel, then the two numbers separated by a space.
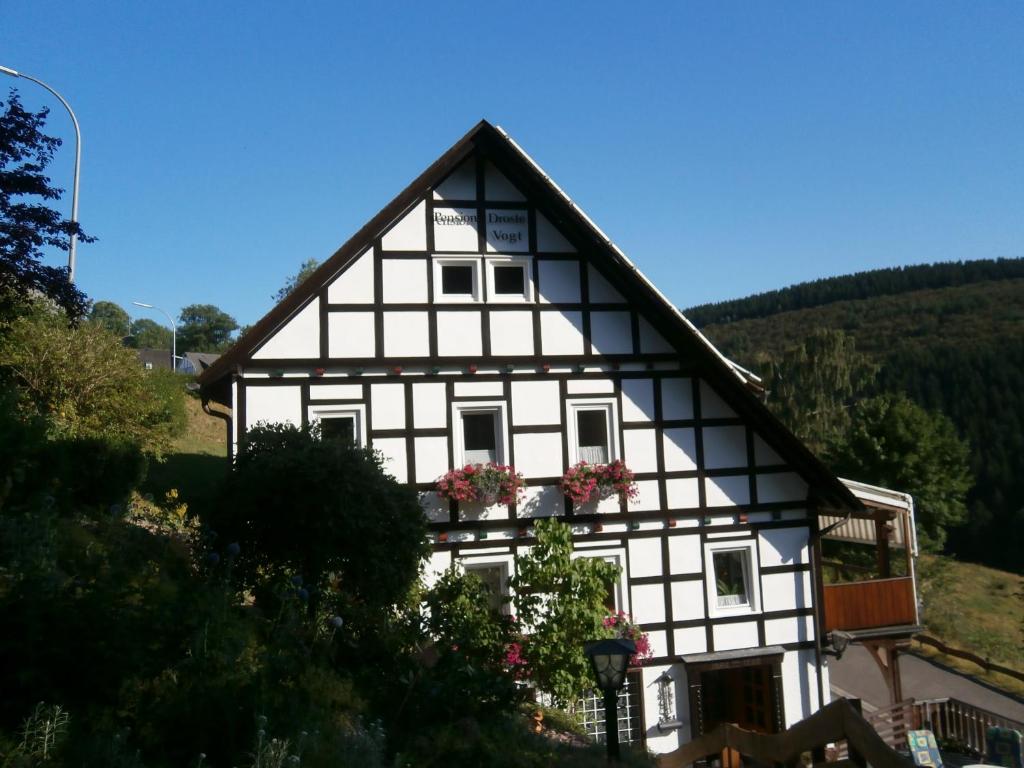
pixel 155 358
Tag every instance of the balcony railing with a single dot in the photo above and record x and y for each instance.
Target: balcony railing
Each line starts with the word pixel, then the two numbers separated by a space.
pixel 870 604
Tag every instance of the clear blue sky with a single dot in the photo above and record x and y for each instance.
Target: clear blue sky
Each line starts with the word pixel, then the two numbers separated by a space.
pixel 728 148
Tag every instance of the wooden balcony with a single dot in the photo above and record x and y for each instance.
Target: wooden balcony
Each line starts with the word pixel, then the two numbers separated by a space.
pixel 870 604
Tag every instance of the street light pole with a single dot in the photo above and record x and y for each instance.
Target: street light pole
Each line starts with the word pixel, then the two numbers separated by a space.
pixel 174 332
pixel 78 165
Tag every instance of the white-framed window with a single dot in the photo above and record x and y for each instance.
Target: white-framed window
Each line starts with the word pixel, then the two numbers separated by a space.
pixel 509 279
pixel 457 280
pixel 616 595
pixel 346 422
pixel 732 577
pixel 493 572
pixel 480 433
pixel 593 428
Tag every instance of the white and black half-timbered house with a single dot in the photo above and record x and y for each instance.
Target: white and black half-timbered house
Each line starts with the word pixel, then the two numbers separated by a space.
pixel 481 316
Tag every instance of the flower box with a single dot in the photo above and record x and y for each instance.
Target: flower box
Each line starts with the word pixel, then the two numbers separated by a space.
pixel 585 482
pixel 486 484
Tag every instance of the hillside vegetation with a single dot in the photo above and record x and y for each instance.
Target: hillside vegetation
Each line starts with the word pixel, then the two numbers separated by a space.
pixel 948 336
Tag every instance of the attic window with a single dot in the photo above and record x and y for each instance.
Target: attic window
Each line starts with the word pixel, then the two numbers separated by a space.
pixel 509 279
pixel 457 280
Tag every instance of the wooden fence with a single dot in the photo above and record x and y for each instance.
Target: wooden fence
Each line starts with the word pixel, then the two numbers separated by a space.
pixel 985 664
pixel 837 722
pixel 957 721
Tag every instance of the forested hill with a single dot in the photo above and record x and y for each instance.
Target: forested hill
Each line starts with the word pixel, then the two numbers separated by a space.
pixel 861 285
pixel 948 336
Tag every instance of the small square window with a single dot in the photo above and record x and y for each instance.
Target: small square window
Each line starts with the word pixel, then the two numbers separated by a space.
pixel 479 437
pixel 592 435
pixel 340 422
pixel 339 428
pixel 731 581
pixel 510 280
pixel 457 279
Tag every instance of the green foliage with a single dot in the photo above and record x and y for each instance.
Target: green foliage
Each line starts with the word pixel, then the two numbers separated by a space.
pixel 205 328
pixel 86 384
pixel 561 600
pixel 149 334
pixel 459 616
pixel 111 316
pixel 27 222
pixel 895 443
pixel 308 268
pixel 299 505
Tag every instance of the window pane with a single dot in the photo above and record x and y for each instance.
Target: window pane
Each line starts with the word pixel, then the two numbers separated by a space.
pixel 509 280
pixel 338 428
pixel 730 578
pixel 457 279
pixel 592 435
pixel 478 435
pixel 493 577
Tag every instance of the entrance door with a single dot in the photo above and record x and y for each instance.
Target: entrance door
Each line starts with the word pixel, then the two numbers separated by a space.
pixel 739 695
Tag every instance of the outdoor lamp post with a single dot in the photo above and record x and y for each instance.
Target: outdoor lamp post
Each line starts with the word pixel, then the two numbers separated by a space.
pixel 174 333
pixel 78 164
pixel 609 660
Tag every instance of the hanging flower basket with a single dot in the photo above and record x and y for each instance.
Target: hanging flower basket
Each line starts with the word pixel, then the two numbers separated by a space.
pixel 486 483
pixel 585 482
pixel 621 625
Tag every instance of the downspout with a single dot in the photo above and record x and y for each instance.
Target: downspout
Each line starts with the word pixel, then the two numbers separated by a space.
pixel 223 416
pixel 817 588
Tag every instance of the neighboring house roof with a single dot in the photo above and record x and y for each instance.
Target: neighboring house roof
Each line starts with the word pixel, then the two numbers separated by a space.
pixel 154 358
pixel 523 171
pixel 199 361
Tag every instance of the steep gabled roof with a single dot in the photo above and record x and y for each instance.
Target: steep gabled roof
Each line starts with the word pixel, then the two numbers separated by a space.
pixel 732 381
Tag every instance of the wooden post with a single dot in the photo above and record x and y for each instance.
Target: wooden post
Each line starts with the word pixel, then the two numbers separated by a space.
pixel 856 757
pixel 882 546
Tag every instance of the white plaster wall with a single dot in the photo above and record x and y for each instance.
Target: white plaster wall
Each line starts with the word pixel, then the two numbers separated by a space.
pixel 785 591
pixel 784 546
pixel 535 402
pixel 725 447
pixel 641 449
pixel 647 499
pixel 434 507
pixel 712 406
pixel 680 449
pixel 273 404
pixel 684 554
pixel 388 406
pixel 648 603
pixel 658 639
pixel 799 685
pixel 395 460
pixel 683 493
pixel 660 742
pixel 511 333
pixel 460 184
pixel 637 400
pixel 409 233
pixel 611 333
pixel 436 564
pixel 479 389
pixel 335 392
pixel 506 230
pixel 549 238
pixel 299 337
pixel 350 334
pixel 798 629
pixel 727 491
pixel 781 486
pixel 676 398
pixel 541 501
pixel 429 406
pixel 404 280
pixel 688 600
pixel 406 334
pixel 497 187
pixel 600 290
pixel 459 334
pixel 644 557
pixel 559 281
pixel 539 455
pixel 355 284
pixel 458 236
pixel 431 458
pixel 561 333
pixel 652 342
pixel 590 386
pixel 691 640
pixel 764 455
pixel 730 636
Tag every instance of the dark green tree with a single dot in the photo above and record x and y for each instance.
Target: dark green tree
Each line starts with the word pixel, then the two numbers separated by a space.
pixel 308 268
pixel 149 334
pixel 27 222
pixel 204 328
pixel 111 316
pixel 895 443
